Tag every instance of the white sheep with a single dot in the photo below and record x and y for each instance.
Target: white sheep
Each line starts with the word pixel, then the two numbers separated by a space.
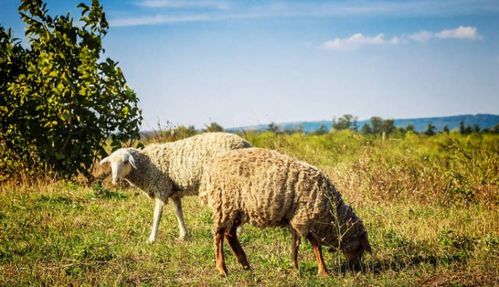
pixel 268 189
pixel 170 170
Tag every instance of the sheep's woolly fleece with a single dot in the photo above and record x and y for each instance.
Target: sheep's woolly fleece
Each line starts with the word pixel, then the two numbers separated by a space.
pixel 163 169
pixel 265 188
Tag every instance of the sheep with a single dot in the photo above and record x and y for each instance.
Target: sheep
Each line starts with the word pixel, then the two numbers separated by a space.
pixel 268 189
pixel 170 170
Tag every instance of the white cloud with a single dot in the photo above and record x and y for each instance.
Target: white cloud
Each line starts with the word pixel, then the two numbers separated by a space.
pixel 358 39
pixel 354 42
pixel 421 36
pixel 396 40
pixel 461 33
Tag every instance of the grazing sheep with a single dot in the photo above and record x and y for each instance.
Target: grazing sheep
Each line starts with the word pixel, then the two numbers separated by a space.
pixel 268 189
pixel 170 170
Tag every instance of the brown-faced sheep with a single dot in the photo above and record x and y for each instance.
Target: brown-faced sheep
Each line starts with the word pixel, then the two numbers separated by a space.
pixel 170 170
pixel 267 189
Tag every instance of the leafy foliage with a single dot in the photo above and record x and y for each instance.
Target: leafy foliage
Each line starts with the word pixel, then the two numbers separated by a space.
pixel 273 127
pixel 378 125
pixel 213 127
pixel 13 63
pixel 345 122
pixel 430 130
pixel 322 130
pixel 59 102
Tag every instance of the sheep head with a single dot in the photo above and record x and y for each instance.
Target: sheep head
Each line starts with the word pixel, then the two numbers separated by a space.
pixel 121 162
pixel 354 250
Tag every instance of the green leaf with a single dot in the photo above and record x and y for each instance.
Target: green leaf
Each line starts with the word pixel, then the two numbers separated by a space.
pixel 63 95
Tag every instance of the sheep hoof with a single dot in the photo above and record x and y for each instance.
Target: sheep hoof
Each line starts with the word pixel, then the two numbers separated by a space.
pixel 323 274
pixel 150 240
pixel 182 237
pixel 223 272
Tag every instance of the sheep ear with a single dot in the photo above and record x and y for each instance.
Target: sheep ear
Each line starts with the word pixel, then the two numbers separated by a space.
pixel 131 160
pixel 104 160
pixel 365 243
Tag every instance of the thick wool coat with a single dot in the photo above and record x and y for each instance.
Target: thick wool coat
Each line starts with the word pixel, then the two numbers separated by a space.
pixel 174 169
pixel 265 188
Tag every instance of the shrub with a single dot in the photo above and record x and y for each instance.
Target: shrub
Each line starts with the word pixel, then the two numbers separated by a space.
pixel 60 102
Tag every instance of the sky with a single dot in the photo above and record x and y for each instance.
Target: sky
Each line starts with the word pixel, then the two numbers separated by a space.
pixel 241 63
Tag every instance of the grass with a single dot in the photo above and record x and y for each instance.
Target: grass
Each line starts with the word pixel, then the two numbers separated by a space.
pixel 67 234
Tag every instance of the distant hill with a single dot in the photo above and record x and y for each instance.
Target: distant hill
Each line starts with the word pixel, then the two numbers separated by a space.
pixel 420 124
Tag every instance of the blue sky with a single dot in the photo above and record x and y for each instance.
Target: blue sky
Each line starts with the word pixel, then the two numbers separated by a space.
pixel 250 62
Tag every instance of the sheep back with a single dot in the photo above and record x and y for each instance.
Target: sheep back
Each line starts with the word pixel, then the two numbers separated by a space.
pixel 183 161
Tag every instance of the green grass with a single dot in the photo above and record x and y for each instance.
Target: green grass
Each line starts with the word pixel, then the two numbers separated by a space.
pixel 63 233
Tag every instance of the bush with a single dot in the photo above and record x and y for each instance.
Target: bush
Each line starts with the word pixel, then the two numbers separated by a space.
pixel 60 102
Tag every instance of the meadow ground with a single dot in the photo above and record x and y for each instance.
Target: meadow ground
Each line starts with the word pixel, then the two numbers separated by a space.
pixel 429 204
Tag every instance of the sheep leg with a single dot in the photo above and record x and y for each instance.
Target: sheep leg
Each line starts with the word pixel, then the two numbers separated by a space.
pixel 237 248
pixel 158 210
pixel 177 203
pixel 219 252
pixel 320 260
pixel 295 244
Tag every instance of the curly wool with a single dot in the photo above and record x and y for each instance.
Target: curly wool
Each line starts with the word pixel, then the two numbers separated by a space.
pixel 175 169
pixel 265 188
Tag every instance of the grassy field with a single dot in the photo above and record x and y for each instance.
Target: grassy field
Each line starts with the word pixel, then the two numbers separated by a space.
pixel 429 204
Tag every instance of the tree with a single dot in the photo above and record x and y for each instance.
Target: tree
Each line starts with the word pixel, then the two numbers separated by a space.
pixel 63 102
pixel 446 129
pixel 272 127
pixel 321 130
pixel 388 126
pixel 377 125
pixel 13 62
pixel 344 122
pixel 355 124
pixel 464 129
pixel 476 128
pixel 366 129
pixel 410 128
pixel 430 130
pixel 214 127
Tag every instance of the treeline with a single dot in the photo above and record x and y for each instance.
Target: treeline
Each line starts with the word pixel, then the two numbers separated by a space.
pixel 380 126
pixel 376 126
